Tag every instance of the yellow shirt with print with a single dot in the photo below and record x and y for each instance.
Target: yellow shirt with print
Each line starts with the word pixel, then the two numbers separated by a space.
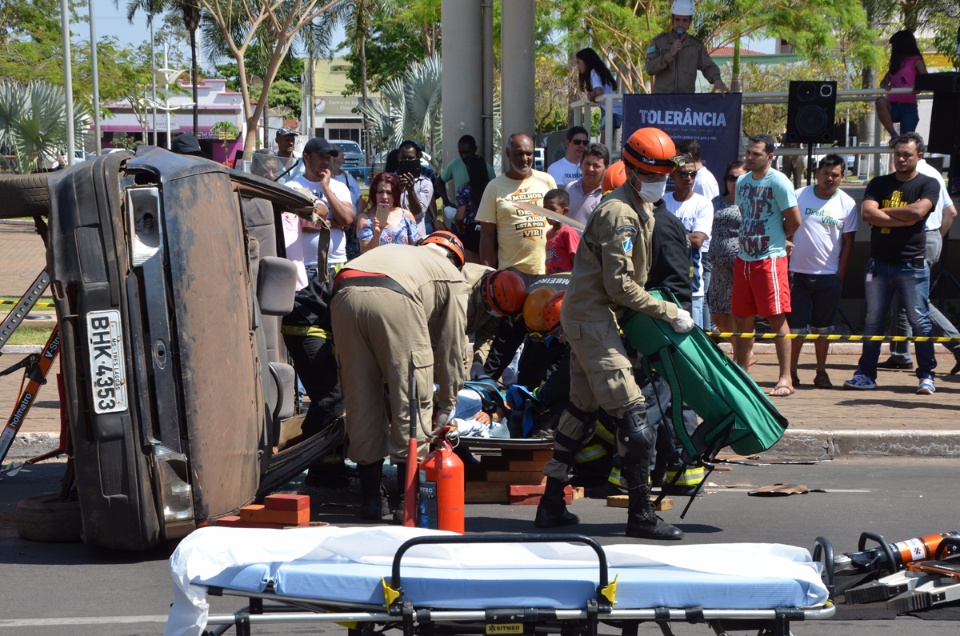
pixel 521 235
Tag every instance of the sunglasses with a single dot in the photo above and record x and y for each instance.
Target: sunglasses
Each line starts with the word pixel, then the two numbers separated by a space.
pixel 579 142
pixel 684 174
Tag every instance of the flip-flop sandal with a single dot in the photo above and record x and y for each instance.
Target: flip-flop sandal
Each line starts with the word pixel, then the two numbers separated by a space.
pixel 822 381
pixel 781 387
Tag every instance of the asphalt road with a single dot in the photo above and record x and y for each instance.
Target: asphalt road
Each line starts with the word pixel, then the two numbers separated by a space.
pixel 73 589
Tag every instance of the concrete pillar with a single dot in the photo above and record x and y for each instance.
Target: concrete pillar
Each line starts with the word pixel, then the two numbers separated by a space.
pixel 488 148
pixel 462 87
pixel 517 51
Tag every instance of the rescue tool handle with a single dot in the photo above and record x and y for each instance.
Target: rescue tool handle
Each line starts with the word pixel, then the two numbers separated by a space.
pixel 823 548
pixel 499 538
pixel 884 547
pixel 951 543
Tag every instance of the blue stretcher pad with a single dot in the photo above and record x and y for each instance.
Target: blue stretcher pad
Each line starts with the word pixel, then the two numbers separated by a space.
pixel 347 567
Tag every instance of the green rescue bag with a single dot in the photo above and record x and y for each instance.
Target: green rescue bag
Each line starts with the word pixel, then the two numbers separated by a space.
pixel 735 411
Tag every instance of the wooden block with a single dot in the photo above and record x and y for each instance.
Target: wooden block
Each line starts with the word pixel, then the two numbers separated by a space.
pixel 526 465
pixel 527 495
pixel 579 492
pixel 623 501
pixel 510 477
pixel 474 472
pixel 235 521
pixel 261 514
pixel 287 502
pixel 486 492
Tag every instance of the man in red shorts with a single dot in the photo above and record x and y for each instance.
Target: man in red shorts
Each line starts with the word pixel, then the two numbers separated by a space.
pixel 761 285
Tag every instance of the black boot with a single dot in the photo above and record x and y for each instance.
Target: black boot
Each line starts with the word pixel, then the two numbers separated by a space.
pixel 643 522
pixel 552 511
pixel 373 506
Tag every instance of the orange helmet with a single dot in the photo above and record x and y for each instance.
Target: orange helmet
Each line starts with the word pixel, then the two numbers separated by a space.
pixel 652 150
pixel 503 292
pixel 533 309
pixel 551 310
pixel 614 177
pixel 448 240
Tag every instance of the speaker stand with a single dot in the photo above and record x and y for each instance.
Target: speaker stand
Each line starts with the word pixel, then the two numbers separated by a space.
pixel 810 167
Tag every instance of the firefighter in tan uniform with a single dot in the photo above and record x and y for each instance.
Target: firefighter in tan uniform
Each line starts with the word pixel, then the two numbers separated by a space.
pixel 608 279
pixel 398 310
pixel 674 57
pixel 494 295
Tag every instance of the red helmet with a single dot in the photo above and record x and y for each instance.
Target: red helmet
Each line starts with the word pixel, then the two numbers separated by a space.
pixel 533 309
pixel 614 177
pixel 652 150
pixel 448 240
pixel 503 292
pixel 551 310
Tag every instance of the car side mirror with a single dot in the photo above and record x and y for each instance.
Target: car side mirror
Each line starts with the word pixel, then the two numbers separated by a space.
pixel 276 286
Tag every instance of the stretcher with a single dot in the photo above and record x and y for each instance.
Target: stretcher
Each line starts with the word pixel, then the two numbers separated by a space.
pixel 434 582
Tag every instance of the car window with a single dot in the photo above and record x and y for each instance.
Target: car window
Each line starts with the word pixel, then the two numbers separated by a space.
pixel 348 147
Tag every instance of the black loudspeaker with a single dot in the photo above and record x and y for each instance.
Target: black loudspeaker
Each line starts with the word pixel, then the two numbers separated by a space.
pixel 810 112
pixel 944 124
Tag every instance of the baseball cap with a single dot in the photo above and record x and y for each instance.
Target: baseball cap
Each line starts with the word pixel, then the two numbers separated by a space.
pixel 321 146
pixel 186 144
pixel 286 130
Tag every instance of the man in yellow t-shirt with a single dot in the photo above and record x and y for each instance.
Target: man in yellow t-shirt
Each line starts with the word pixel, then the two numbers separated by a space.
pixel 509 236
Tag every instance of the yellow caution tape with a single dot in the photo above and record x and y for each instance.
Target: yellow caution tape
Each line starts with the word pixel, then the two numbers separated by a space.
pixel 17 302
pixel 833 337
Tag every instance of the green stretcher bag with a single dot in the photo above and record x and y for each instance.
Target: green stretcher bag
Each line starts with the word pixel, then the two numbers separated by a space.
pixel 735 411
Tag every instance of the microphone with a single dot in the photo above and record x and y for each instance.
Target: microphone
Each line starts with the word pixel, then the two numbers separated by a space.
pixel 681 33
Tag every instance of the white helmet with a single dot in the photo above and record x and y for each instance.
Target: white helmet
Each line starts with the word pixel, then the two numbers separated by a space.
pixel 682 7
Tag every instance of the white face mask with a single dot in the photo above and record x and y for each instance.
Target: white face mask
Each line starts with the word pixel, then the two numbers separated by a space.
pixel 650 192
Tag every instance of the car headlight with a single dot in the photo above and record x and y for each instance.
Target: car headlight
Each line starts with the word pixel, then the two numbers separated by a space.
pixel 176 493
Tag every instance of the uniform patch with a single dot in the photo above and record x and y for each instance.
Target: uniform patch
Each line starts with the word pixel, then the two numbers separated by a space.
pixel 626 229
pixel 626 234
pixel 627 245
pixel 651 49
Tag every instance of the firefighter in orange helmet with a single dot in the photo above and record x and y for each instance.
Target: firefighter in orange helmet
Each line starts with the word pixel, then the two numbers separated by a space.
pixel 608 280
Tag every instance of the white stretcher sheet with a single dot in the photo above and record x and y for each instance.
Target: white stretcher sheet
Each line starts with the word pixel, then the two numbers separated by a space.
pixel 208 552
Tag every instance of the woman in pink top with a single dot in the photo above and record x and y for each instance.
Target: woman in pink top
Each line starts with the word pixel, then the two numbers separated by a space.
pixel 906 62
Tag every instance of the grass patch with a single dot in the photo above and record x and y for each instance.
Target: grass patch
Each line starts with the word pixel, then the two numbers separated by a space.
pixel 26 335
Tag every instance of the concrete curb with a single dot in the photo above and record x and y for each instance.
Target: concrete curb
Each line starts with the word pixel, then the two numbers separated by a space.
pixel 812 443
pixel 798 443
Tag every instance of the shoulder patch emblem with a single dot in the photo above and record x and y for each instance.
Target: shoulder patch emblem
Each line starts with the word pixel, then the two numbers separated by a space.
pixel 627 245
pixel 651 49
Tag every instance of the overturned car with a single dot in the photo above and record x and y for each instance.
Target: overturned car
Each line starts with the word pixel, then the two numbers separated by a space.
pixel 169 291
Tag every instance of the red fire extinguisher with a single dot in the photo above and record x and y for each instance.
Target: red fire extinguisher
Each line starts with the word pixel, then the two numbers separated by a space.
pixel 441 489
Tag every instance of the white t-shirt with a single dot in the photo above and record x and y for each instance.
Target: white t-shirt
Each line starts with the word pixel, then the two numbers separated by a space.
pixel 696 214
pixel 706 185
pixel 935 218
pixel 310 241
pixel 819 239
pixel 563 172
pixel 607 90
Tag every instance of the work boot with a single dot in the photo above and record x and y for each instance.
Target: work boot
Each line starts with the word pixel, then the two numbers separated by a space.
pixel 552 511
pixel 643 522
pixel 373 505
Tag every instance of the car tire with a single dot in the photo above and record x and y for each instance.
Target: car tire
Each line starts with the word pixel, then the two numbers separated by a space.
pixel 24 195
pixel 49 518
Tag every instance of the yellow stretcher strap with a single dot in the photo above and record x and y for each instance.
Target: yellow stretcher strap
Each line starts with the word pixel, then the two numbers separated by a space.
pixel 389 594
pixel 610 591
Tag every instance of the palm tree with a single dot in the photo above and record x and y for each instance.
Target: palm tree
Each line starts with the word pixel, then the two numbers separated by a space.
pixel 410 109
pixel 33 123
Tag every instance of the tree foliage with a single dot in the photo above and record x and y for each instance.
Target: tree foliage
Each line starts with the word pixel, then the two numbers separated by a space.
pixel 33 123
pixel 383 43
pixel 273 27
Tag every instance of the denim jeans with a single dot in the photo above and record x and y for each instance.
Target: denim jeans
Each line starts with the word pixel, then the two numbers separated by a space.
pixel 696 312
pixel 705 322
pixel 940 324
pixel 912 284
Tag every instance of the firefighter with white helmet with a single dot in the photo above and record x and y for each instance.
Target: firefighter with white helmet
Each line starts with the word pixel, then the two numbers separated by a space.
pixel 608 280
pixel 675 56
pixel 398 310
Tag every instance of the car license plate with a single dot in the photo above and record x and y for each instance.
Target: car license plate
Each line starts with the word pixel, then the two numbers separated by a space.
pixel 108 377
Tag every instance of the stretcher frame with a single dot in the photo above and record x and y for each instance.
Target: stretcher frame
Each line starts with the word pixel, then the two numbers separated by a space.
pixel 362 619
